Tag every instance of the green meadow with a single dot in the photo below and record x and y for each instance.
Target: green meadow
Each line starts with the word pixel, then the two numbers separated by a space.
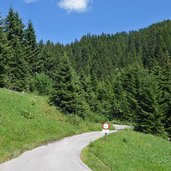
pixel 27 120
pixel 128 151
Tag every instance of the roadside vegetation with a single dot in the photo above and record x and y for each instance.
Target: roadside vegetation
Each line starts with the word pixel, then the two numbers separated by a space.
pixel 130 151
pixel 27 120
pixel 124 76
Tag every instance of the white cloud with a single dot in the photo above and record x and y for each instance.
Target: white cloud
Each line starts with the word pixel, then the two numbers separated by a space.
pixel 30 1
pixel 74 5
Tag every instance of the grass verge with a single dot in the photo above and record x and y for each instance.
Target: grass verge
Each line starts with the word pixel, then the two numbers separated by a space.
pixel 130 151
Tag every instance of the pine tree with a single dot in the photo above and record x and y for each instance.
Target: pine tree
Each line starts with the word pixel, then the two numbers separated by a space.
pixel 5 53
pixel 65 95
pixel 131 84
pixel 14 27
pixel 2 72
pixel 33 51
pixel 88 92
pixel 19 70
pixel 165 90
pixel 104 94
pixel 119 105
pixel 149 116
pixel 18 67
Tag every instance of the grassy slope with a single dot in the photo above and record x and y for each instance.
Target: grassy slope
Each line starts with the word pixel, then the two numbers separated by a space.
pixel 27 120
pixel 129 151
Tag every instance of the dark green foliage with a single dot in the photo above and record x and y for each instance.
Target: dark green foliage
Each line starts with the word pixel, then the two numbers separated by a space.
pixel 165 88
pixel 31 48
pixel 131 84
pixel 14 27
pixel 18 68
pixel 104 93
pixel 66 88
pixel 119 105
pixel 149 115
pixel 5 54
pixel 126 76
pixel 41 84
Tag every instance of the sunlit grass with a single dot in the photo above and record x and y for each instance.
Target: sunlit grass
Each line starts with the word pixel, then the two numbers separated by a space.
pixel 129 151
pixel 27 120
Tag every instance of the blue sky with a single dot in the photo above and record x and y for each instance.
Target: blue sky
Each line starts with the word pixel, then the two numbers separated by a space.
pixel 66 20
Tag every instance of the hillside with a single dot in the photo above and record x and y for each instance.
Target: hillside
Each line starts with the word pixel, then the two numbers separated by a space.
pixel 124 76
pixel 130 151
pixel 27 120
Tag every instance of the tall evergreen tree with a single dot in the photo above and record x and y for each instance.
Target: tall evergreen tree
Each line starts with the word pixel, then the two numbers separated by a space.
pixel 14 27
pixel 131 84
pixel 33 51
pixel 18 66
pixel 5 53
pixel 149 117
pixel 165 89
pixel 19 70
pixel 65 95
pixel 119 105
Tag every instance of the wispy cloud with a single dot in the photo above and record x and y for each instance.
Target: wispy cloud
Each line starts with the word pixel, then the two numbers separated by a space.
pixel 30 1
pixel 75 5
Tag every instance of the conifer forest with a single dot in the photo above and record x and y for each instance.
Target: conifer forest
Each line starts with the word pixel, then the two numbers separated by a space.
pixel 124 76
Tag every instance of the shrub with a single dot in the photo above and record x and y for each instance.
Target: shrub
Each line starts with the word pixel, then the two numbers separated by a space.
pixel 41 84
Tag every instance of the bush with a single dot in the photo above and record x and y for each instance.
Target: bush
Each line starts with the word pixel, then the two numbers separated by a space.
pixel 41 84
pixel 96 118
pixel 74 119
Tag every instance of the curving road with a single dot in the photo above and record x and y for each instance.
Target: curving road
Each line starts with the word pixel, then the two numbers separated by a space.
pixel 63 155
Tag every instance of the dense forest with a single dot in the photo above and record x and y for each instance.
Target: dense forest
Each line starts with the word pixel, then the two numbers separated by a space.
pixel 125 76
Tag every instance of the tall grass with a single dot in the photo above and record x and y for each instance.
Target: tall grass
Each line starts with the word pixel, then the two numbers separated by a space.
pixel 27 120
pixel 129 151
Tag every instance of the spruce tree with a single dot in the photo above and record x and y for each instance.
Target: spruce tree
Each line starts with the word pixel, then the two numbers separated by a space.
pixel 14 27
pixel 2 72
pixel 119 105
pixel 165 90
pixel 33 51
pixel 150 116
pixel 105 96
pixel 18 72
pixel 65 90
pixel 131 84
pixel 5 54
